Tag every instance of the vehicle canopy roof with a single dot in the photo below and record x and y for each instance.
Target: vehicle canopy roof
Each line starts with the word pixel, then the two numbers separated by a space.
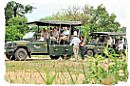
pixel 108 33
pixel 55 23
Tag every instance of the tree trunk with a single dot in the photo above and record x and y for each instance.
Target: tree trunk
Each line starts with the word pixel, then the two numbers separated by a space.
pixel 15 11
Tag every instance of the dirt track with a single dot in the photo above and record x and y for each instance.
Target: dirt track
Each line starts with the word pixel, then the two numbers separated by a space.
pixel 40 59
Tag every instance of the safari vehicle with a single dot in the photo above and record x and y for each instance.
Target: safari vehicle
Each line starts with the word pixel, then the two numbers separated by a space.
pixel 31 45
pixel 98 42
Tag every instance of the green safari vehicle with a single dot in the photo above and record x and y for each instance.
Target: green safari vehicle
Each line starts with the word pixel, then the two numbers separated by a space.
pixel 99 40
pixel 30 44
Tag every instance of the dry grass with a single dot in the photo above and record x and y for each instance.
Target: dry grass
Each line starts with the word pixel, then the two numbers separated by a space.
pixel 27 72
pixel 35 78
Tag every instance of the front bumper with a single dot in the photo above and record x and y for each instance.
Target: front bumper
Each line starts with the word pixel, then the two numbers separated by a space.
pixel 9 51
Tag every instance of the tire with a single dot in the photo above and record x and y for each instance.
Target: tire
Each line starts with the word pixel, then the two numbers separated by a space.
pixel 65 57
pixel 20 54
pixel 10 57
pixel 54 57
pixel 89 53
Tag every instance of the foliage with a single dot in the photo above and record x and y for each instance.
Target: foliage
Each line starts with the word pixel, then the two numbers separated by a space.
pixel 72 80
pixel 14 9
pixel 16 20
pixel 96 70
pixel 94 19
pixel 16 29
pixel 49 79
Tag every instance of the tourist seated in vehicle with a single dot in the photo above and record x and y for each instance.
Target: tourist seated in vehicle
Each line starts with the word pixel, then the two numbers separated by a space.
pixel 46 35
pixel 93 41
pixel 125 42
pixel 43 35
pixel 65 34
pixel 120 47
pixel 54 35
pixel 109 41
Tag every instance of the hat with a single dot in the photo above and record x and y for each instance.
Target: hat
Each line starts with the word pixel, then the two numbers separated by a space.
pixel 75 33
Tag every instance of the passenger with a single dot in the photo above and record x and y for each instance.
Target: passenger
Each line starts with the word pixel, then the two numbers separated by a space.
pixel 125 43
pixel 75 33
pixel 120 47
pixel 46 34
pixel 109 41
pixel 65 34
pixel 74 30
pixel 93 41
pixel 104 40
pixel 54 35
pixel 42 35
pixel 75 41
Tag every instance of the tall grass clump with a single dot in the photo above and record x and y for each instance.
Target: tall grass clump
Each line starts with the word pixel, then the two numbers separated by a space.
pixel 49 77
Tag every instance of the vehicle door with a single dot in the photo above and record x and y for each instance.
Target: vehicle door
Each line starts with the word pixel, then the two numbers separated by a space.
pixel 38 46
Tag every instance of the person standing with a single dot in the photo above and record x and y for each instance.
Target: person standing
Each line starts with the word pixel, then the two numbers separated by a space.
pixel 75 41
pixel 82 47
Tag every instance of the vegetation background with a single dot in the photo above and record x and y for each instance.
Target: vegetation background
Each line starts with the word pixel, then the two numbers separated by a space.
pixel 97 70
pixel 93 19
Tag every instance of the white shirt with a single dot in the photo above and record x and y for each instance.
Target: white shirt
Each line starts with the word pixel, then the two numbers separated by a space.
pixel 75 41
pixel 75 33
pixel 109 41
pixel 67 32
pixel 120 46
pixel 41 39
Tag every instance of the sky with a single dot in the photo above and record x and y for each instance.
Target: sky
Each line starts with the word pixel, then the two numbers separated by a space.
pixel 48 7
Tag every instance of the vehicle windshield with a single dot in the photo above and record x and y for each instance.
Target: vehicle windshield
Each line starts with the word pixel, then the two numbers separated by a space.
pixel 28 35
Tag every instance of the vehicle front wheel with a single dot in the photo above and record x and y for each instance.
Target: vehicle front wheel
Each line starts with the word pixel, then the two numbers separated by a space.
pixel 20 54
pixel 89 53
pixel 54 57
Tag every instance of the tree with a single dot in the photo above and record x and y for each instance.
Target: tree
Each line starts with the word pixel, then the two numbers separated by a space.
pixel 15 20
pixel 16 29
pixel 103 22
pixel 93 19
pixel 14 9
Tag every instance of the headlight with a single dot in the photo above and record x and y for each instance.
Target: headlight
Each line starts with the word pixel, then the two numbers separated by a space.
pixel 10 45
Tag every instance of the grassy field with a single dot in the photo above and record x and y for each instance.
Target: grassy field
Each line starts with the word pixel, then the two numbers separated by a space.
pixel 89 71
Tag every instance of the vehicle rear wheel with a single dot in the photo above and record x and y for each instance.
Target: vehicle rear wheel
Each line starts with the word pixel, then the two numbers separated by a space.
pixel 90 53
pixel 54 57
pixel 66 57
pixel 21 54
pixel 10 57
